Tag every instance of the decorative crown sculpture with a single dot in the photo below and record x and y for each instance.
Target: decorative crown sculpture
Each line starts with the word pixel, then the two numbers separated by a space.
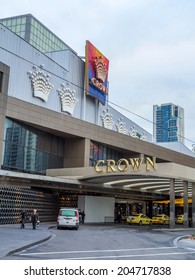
pixel 68 99
pixel 133 132
pixel 121 126
pixel 107 119
pixel 40 83
pixel 100 69
pixel 143 136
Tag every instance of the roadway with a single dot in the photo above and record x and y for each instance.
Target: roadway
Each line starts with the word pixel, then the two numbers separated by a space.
pixel 109 242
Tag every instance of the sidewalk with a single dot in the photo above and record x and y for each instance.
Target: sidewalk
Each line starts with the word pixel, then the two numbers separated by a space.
pixel 13 238
pixel 185 242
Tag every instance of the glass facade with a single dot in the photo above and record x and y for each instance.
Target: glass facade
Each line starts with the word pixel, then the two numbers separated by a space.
pixel 35 33
pixel 101 152
pixel 17 25
pixel 169 123
pixel 43 39
pixel 27 149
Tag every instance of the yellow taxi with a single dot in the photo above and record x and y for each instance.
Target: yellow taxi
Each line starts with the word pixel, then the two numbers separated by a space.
pixel 139 219
pixel 179 219
pixel 161 219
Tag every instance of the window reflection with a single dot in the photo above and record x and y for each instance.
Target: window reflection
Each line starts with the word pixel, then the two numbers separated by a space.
pixel 101 152
pixel 26 149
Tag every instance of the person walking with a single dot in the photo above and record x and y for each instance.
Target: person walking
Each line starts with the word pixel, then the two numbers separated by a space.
pixel 83 217
pixel 80 216
pixel 119 217
pixel 23 218
pixel 34 218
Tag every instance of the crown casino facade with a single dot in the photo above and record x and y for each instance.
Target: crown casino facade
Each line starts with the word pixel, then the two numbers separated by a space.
pixel 62 144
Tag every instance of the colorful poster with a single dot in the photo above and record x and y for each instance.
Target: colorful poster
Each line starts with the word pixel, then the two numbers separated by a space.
pixel 96 73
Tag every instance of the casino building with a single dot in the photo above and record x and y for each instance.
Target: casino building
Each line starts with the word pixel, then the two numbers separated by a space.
pixel 62 144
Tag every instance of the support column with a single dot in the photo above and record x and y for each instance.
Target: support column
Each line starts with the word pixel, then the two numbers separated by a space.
pixel 193 204
pixel 172 203
pixel 185 208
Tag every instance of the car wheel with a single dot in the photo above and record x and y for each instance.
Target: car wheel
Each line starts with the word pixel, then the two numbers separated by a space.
pixel 129 223
pixel 140 223
pixel 164 222
pixel 150 223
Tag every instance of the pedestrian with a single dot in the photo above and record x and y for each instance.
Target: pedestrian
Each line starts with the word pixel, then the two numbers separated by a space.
pixel 34 218
pixel 119 217
pixel 23 218
pixel 80 216
pixel 83 217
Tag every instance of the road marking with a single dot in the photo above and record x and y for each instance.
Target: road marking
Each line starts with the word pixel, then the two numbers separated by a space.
pixel 97 251
pixel 132 256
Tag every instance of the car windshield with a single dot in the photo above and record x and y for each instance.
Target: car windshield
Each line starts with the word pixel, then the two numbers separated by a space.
pixel 69 213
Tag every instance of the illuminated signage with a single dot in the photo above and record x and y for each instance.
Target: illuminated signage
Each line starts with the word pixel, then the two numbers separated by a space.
pixel 96 73
pixel 122 165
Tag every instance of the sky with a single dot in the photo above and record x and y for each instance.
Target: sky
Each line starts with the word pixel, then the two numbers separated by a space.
pixel 150 45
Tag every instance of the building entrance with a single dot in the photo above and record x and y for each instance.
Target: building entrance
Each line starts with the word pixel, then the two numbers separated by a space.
pixel 124 208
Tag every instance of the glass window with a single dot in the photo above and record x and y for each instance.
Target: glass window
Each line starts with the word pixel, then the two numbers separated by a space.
pixel 17 28
pixel 13 28
pixel 13 21
pixel 18 21
pixel 23 20
pixel 22 34
pixel 22 27
pixel 9 23
pixel 68 213
pixel 101 152
pixel 26 149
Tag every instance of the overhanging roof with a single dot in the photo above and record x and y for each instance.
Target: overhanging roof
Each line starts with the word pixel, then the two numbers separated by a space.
pixel 153 181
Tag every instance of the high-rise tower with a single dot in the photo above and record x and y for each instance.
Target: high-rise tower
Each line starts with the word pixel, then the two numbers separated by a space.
pixel 168 122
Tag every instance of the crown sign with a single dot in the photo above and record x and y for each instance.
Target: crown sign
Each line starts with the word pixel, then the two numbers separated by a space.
pixel 121 126
pixel 68 99
pixel 133 132
pixel 40 84
pixel 100 69
pixel 107 119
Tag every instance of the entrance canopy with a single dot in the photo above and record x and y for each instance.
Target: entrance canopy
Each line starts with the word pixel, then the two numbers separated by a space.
pixel 143 180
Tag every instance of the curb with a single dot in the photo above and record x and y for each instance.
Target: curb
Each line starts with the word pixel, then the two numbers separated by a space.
pixel 184 245
pixel 176 240
pixel 28 246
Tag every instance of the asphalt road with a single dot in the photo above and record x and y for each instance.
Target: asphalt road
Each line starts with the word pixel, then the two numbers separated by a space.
pixel 113 242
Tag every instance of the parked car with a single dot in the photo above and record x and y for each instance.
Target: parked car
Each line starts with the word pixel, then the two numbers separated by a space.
pixel 139 219
pixel 68 218
pixel 161 219
pixel 180 219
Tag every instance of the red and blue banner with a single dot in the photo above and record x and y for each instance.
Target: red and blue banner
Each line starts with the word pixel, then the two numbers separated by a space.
pixel 96 73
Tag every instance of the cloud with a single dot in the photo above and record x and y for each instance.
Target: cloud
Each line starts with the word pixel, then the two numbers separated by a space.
pixel 150 45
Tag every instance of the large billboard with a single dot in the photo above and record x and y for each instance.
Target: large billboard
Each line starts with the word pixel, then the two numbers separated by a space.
pixel 96 73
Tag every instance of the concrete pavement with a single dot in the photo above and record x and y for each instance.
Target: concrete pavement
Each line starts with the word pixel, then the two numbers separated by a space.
pixel 14 239
pixel 186 242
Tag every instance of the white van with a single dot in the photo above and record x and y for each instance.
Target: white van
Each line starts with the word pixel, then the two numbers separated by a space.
pixel 68 218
